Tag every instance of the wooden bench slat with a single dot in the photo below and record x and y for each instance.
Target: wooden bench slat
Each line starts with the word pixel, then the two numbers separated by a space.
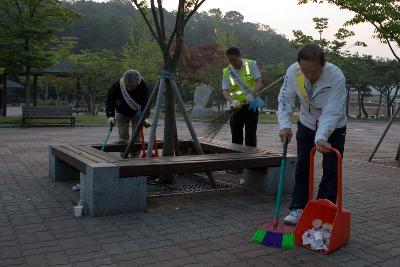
pixel 98 153
pixel 196 166
pixel 70 157
pixel 192 158
pixel 91 157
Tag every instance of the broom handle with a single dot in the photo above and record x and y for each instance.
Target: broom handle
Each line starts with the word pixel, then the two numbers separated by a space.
pixel 280 185
pixel 269 86
pixel 106 140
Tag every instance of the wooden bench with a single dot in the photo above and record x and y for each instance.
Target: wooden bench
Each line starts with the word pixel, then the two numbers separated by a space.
pixel 112 185
pixel 31 112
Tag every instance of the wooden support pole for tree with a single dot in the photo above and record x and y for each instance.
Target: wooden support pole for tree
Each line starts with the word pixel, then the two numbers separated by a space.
pixel 156 116
pixel 177 152
pixel 384 133
pixel 135 132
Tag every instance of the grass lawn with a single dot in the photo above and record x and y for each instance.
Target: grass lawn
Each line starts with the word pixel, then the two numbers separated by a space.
pixel 80 119
pixel 85 119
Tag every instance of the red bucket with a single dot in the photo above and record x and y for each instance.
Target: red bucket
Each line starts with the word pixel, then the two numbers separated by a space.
pixel 154 153
pixel 325 210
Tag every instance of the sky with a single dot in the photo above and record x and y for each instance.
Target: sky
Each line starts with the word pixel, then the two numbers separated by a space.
pixel 285 15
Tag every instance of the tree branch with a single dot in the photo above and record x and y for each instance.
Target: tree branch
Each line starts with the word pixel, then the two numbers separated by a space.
pixel 162 23
pixel 34 7
pixel 180 18
pixel 156 23
pixel 195 8
pixel 135 2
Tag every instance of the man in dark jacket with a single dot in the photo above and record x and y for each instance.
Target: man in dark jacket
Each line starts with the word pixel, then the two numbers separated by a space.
pixel 128 97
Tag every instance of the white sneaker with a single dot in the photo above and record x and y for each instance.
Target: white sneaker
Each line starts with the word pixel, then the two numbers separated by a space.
pixel 293 216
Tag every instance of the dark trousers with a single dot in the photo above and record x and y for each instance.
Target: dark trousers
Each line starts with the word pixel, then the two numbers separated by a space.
pixel 328 185
pixel 248 119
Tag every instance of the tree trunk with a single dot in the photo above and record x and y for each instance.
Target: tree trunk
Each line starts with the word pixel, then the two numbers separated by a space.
pixel 362 106
pixel 4 96
pixel 388 106
pixel 46 95
pixel 359 104
pixel 392 106
pixel 169 123
pixel 35 90
pixel 93 101
pixel 28 87
pixel 347 102
pixel 379 106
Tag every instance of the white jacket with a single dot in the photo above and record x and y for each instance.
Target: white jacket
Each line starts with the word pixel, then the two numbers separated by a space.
pixel 329 100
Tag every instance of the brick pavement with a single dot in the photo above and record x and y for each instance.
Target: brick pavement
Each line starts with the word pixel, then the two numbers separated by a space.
pixel 37 227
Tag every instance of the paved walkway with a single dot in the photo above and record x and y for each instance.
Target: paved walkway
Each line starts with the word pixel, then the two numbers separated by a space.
pixel 37 227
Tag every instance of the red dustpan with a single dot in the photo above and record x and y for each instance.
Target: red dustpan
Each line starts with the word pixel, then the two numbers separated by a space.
pixel 325 210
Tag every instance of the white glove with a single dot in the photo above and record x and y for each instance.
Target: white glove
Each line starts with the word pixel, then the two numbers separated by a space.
pixel 235 104
pixel 110 122
pixel 146 123
pixel 250 98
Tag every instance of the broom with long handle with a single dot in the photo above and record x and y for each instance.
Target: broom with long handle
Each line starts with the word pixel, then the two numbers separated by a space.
pixel 107 137
pixel 275 233
pixel 216 122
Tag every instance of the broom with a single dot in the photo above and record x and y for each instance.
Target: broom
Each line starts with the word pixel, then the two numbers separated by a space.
pixel 218 120
pixel 107 137
pixel 275 233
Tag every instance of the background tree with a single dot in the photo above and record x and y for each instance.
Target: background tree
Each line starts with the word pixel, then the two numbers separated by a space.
pixel 321 24
pixel 171 48
pixel 142 53
pixel 100 70
pixel 27 29
pixel 384 15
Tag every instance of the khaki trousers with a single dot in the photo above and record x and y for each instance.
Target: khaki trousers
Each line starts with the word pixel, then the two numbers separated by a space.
pixel 123 127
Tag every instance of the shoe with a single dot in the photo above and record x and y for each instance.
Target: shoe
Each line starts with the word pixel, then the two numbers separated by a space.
pixel 293 216
pixel 76 187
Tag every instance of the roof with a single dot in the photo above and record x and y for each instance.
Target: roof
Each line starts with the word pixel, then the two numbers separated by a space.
pixel 62 68
pixel 12 84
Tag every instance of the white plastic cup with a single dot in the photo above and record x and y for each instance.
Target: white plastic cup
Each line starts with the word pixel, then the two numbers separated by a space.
pixel 318 239
pixel 78 211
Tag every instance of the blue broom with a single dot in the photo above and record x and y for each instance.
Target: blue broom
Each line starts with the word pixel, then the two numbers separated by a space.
pixel 275 233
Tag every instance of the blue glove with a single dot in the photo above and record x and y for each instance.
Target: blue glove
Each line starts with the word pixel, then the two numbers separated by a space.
pixel 256 103
pixel 138 114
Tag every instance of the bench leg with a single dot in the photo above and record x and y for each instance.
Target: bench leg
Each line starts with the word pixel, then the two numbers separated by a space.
pixel 104 193
pixel 59 170
pixel 266 181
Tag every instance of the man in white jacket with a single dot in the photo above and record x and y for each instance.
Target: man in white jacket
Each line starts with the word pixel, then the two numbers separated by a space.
pixel 321 89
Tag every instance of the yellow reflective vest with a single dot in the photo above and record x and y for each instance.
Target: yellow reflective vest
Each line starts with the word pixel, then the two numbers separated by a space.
pixel 246 76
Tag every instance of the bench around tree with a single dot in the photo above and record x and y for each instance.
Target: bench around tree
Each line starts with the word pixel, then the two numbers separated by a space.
pixel 111 185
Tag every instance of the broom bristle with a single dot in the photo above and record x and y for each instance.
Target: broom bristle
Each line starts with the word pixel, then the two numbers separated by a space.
pixel 288 241
pixel 259 235
pixel 216 123
pixel 273 240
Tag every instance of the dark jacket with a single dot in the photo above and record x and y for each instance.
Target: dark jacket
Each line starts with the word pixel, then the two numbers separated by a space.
pixel 115 99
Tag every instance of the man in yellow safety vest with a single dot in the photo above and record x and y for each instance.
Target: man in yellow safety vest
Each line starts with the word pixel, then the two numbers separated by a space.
pixel 241 82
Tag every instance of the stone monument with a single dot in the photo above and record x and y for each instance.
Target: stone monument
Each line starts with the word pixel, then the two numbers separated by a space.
pixel 203 100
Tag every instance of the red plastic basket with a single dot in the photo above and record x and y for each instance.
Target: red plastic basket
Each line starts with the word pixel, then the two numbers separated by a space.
pixel 325 210
pixel 154 153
